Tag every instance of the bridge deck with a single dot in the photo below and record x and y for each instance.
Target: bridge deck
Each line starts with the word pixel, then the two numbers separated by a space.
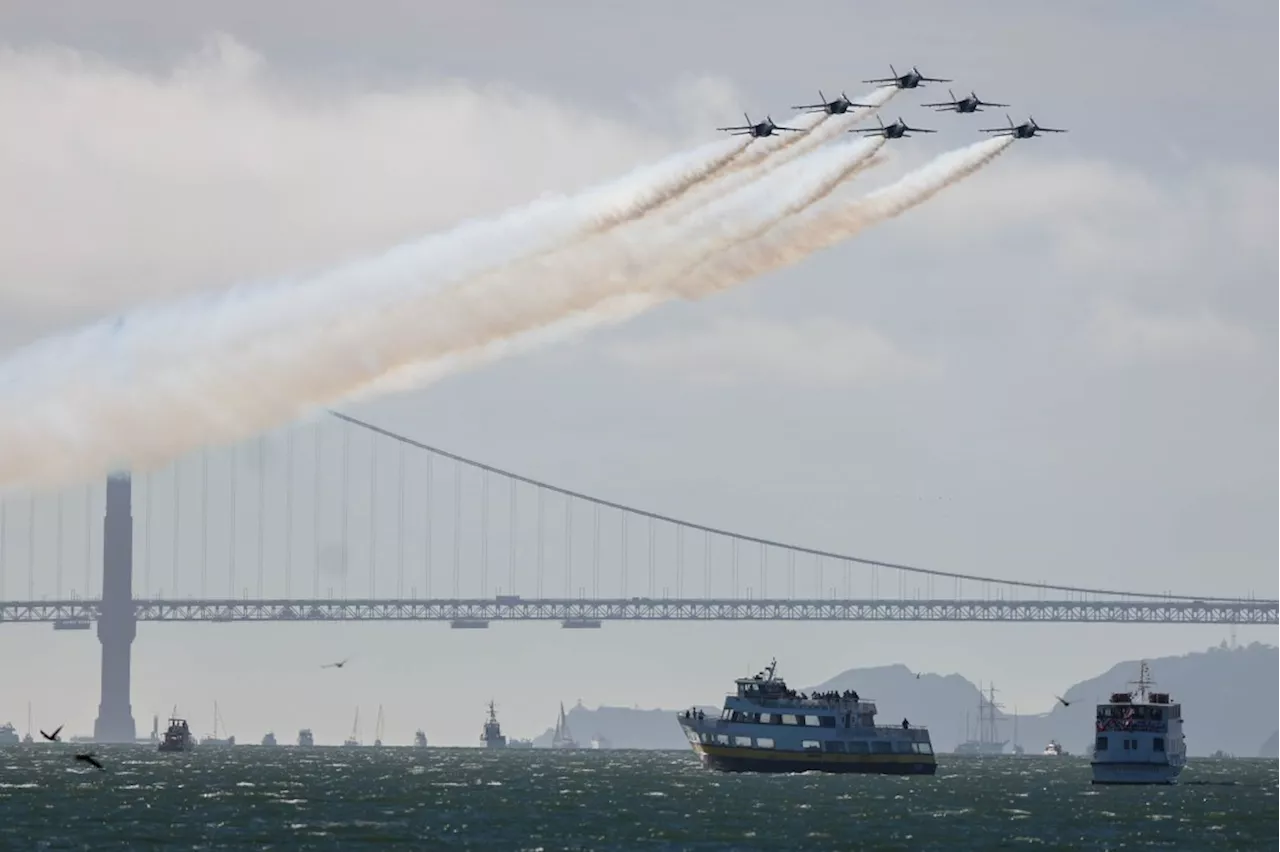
pixel 577 611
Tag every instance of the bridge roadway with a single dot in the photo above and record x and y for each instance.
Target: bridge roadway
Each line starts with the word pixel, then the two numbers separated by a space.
pixel 586 612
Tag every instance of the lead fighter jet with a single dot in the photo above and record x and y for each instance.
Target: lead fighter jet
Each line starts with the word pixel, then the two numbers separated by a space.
pixel 1026 130
pixel 971 103
pixel 897 130
pixel 757 130
pixel 909 80
pixel 839 106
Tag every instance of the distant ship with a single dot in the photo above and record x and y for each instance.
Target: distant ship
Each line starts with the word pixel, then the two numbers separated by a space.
pixel 419 739
pixel 600 742
pixel 214 740
pixel 987 742
pixel 1139 737
pixel 177 737
pixel 519 743
pixel 353 740
pixel 562 738
pixel 492 736
pixel 766 727
pixel 269 739
pixel 377 730
pixel 1054 749
pixel 9 735
pixel 305 739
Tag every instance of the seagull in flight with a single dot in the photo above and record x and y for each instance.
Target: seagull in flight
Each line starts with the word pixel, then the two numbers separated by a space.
pixel 53 738
pixel 336 665
pixel 1065 702
pixel 90 759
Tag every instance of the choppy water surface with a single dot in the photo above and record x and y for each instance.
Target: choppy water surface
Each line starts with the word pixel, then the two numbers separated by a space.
pixel 351 799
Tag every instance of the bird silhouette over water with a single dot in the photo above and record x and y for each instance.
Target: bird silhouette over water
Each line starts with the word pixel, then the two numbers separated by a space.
pixel 1065 702
pixel 90 759
pixel 336 665
pixel 53 738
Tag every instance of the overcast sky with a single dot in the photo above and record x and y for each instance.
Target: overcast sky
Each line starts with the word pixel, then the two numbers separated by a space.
pixel 1062 369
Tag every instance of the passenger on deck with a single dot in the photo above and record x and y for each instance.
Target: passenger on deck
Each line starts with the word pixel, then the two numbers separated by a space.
pixel 905 724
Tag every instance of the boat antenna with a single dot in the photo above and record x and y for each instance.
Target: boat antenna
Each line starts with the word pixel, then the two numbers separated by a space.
pixel 1144 681
pixel 773 665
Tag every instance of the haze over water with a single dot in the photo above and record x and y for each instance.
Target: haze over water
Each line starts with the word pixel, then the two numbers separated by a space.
pixel 351 799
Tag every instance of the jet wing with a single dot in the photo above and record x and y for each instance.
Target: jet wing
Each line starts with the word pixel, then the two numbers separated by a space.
pixel 920 130
pixel 1048 130
pixel 988 103
pixel 944 104
pixel 811 106
pixel 882 80
pixel 744 127
pixel 937 79
pixel 997 130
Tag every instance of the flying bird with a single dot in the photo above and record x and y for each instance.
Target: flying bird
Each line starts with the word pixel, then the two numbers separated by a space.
pixel 336 665
pixel 90 759
pixel 1065 702
pixel 53 738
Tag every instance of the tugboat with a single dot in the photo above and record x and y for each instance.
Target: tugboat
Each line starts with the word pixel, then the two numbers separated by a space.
pixel 767 727
pixel 492 736
pixel 1139 737
pixel 177 737
pixel 269 739
pixel 1054 749
pixel 305 739
pixel 419 739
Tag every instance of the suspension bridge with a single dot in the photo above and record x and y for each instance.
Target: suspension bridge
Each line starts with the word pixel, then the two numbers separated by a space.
pixel 341 520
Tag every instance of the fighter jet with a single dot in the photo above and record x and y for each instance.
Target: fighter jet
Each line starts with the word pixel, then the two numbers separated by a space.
pixel 909 80
pixel 757 130
pixel 897 130
pixel 1026 130
pixel 839 106
pixel 972 103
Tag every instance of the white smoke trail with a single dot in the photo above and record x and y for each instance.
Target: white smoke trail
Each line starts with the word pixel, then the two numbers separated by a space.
pixel 651 272
pixel 787 243
pixel 143 388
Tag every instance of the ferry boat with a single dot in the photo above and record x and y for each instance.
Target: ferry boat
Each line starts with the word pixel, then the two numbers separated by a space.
pixel 767 727
pixel 1054 749
pixel 9 734
pixel 1139 737
pixel 492 736
pixel 305 738
pixel 419 739
pixel 177 737
pixel 269 739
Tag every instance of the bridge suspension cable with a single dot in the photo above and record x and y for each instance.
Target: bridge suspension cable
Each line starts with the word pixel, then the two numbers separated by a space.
pixel 742 537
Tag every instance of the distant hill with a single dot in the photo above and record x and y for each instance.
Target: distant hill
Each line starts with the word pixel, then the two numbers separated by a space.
pixel 1228 698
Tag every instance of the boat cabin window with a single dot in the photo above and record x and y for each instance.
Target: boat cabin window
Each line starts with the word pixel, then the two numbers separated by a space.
pixel 923 748
pixel 722 739
pixel 764 742
pixel 810 745
pixel 881 747
pixel 1157 744
pixel 1157 713
pixel 788 719
pixel 770 719
pixel 827 721
pixel 903 747
pixel 833 746
pixel 1101 744
pixel 858 747
pixel 745 742
pixel 812 721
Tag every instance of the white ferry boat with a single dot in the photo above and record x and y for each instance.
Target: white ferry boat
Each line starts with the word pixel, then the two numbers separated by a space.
pixel 767 727
pixel 1054 749
pixel 1139 737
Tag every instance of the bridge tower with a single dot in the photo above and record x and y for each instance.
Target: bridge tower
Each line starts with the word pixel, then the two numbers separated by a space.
pixel 117 624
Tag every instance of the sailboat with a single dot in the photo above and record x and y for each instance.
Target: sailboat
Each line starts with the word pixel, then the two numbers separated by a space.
pixel 354 739
pixel 213 740
pixel 377 731
pixel 562 738
pixel 28 739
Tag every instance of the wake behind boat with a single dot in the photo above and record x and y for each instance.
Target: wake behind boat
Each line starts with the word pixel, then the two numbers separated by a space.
pixel 767 727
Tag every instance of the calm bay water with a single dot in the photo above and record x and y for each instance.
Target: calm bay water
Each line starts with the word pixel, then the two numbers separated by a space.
pixel 354 799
